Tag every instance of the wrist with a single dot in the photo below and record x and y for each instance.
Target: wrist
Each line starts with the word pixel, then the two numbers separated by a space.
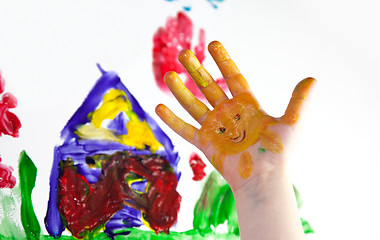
pixel 263 185
pixel 266 199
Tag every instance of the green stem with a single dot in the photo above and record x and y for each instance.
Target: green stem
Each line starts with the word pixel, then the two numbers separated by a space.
pixel 28 174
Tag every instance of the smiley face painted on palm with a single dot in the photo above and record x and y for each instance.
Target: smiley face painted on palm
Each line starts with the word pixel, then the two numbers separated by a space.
pixel 235 125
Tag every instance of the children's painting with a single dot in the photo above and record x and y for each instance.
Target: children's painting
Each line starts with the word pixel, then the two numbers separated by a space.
pixel 115 171
pixel 83 154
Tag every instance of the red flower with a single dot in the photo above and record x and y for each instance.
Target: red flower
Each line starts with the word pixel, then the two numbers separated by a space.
pixel 6 178
pixel 9 125
pixel 9 122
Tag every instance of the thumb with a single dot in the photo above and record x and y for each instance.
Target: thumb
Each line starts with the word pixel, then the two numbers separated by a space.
pixel 300 98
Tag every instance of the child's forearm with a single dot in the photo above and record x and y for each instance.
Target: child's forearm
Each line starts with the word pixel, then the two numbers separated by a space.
pixel 267 209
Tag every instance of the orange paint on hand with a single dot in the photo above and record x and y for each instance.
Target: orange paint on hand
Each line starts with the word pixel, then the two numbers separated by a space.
pixel 271 141
pixel 298 97
pixel 235 125
pixel 245 165
pixel 217 161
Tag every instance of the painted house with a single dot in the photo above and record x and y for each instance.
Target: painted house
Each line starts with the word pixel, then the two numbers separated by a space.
pixel 111 137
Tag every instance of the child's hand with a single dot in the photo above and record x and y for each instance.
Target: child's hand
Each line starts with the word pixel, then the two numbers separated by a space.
pixel 237 136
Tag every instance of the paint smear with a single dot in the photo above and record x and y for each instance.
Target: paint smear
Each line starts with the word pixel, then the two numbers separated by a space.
pixel 215 2
pixel 116 163
pixel 10 225
pixel 198 166
pixel 9 122
pixel 28 174
pixel 6 178
pixel 87 207
pixel 236 124
pixel 168 41
pixel 212 2
pixel 305 224
pixel 215 206
pixel 245 165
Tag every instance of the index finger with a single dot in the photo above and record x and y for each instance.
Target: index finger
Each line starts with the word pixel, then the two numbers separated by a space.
pixel 197 109
pixel 235 80
pixel 185 130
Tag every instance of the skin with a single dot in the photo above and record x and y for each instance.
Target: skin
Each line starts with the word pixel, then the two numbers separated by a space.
pixel 247 146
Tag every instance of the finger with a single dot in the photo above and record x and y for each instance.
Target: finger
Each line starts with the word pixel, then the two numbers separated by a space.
pixel 185 130
pixel 235 80
pixel 210 89
pixel 191 104
pixel 298 102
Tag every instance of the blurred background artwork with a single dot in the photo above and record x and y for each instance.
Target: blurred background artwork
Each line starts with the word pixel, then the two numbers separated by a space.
pixel 48 57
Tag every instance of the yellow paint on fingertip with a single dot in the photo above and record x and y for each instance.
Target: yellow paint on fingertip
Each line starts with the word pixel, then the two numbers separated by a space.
pixel 192 64
pixel 245 165
pixel 189 60
pixel 165 114
pixel 194 67
pixel 170 77
pixel 217 51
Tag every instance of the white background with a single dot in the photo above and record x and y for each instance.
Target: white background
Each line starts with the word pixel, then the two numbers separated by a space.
pixel 48 52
